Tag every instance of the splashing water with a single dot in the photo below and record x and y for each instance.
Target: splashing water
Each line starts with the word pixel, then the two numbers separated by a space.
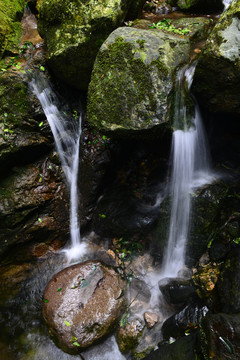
pixel 190 169
pixel 226 3
pixel 67 134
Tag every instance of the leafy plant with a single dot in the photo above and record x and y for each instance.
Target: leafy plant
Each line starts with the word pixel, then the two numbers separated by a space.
pixel 124 319
pixel 67 323
pixel 125 251
pixel 166 25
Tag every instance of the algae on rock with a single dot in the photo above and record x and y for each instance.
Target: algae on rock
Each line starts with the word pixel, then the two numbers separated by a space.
pixel 74 31
pixel 11 12
pixel 133 78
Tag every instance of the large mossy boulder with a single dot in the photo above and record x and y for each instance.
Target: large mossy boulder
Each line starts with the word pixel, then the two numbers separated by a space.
pixel 82 303
pixel 216 81
pixel 132 81
pixel 11 12
pixel 74 31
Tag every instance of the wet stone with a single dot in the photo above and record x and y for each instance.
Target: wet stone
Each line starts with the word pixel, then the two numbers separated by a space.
pixel 82 303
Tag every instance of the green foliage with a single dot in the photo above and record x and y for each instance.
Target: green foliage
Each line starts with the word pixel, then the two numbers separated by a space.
pixel 166 25
pixel 46 301
pixel 59 289
pixel 67 323
pixel 102 216
pixel 124 320
pixel 125 251
pixel 14 62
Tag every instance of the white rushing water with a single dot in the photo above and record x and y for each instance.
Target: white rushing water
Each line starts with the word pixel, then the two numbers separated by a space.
pixel 226 3
pixel 189 169
pixel 67 134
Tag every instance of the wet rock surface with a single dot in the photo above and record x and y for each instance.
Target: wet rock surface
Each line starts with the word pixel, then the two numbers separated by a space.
pixel 220 336
pixel 82 303
pixel 216 80
pixel 128 335
pixel 177 291
pixel 185 321
pixel 228 285
pixel 182 349
pixel 74 32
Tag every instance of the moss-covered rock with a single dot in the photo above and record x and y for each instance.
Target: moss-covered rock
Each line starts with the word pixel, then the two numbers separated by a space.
pixel 10 28
pixel 132 80
pixel 74 31
pixel 129 334
pixel 20 116
pixel 216 81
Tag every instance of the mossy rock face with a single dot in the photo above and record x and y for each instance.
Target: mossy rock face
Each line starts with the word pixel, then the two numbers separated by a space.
pixel 11 12
pixel 74 31
pixel 20 115
pixel 132 80
pixel 216 81
pixel 197 5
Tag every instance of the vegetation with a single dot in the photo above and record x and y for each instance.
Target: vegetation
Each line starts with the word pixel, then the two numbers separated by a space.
pixel 166 25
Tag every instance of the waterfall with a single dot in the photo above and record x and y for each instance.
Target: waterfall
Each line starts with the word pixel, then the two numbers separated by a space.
pixel 189 169
pixel 226 3
pixel 67 133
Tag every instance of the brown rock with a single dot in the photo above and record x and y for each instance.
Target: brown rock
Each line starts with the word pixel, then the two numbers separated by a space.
pixel 82 303
pixel 129 334
pixel 151 319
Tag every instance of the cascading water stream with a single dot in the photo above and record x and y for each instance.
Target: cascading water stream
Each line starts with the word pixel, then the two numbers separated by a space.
pixel 226 3
pixel 190 169
pixel 67 134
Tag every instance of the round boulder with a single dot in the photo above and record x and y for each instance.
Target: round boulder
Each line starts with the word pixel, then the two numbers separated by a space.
pixel 82 303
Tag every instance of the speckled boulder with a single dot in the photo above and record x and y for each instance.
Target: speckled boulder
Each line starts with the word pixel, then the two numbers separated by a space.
pixel 74 31
pixel 82 303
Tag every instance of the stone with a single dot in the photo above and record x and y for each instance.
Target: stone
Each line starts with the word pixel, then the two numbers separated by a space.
pixel 33 205
pixel 185 348
pixel 216 82
pixel 74 31
pixel 201 6
pixel 188 319
pixel 205 280
pixel 177 291
pixel 21 138
pixel 151 319
pixel 11 12
pixel 128 335
pixel 228 285
pixel 220 336
pixel 83 303
pixel 135 68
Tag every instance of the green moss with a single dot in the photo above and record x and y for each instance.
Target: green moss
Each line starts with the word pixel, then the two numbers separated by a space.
pixel 10 28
